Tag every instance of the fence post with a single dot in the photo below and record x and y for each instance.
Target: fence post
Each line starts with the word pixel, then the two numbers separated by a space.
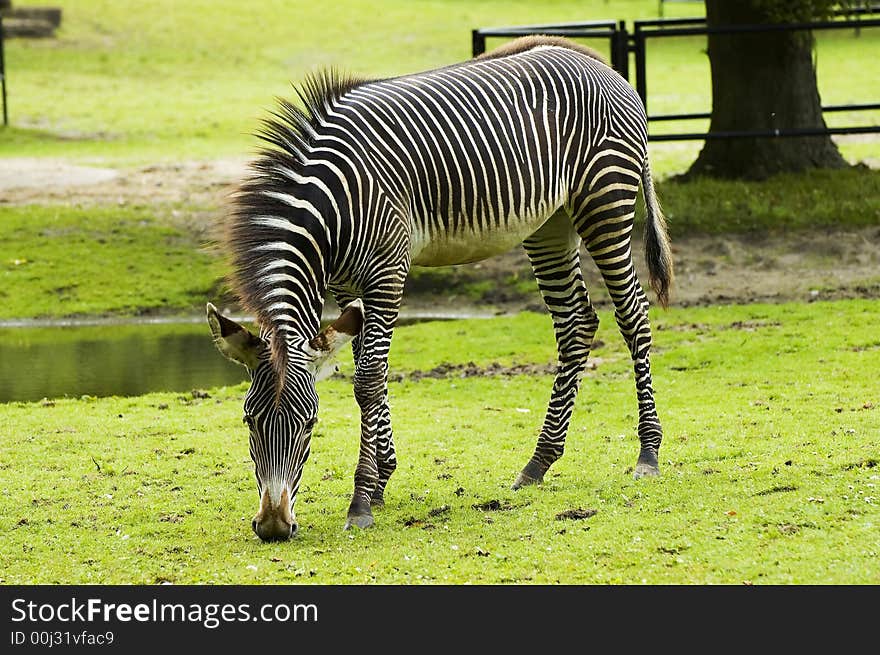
pixel 3 74
pixel 620 50
pixel 641 70
pixel 478 43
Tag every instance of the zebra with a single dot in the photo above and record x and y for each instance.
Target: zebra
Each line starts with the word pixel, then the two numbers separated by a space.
pixel 538 143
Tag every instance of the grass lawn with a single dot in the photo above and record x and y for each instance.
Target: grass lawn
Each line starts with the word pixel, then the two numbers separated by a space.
pixel 188 80
pixel 62 261
pixel 770 411
pixel 769 467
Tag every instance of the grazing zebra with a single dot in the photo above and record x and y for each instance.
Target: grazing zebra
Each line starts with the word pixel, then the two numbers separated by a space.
pixel 538 142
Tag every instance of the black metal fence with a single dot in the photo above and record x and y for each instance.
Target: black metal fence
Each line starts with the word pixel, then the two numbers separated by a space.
pixel 3 75
pixel 622 43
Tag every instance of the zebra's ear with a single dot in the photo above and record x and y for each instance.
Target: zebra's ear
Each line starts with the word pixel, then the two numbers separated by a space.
pixel 234 341
pixel 332 338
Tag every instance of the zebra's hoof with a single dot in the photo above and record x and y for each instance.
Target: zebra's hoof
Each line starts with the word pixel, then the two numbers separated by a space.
pixel 532 473
pixel 647 465
pixel 377 499
pixel 523 480
pixel 359 521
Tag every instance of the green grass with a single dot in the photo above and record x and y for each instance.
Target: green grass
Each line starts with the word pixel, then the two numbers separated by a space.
pixel 769 467
pixel 187 80
pixel 814 199
pixel 770 411
pixel 68 261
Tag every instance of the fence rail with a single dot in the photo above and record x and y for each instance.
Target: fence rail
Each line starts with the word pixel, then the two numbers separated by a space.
pixel 623 43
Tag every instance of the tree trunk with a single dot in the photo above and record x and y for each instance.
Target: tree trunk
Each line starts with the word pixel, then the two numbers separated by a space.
pixel 761 81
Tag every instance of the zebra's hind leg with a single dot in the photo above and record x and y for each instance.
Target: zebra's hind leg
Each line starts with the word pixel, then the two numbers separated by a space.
pixel 386 457
pixel 605 224
pixel 553 254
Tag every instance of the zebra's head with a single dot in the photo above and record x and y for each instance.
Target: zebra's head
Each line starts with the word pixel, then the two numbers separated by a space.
pixel 281 413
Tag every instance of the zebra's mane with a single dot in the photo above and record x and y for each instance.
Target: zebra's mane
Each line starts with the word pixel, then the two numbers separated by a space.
pixel 524 43
pixel 288 133
pixel 289 127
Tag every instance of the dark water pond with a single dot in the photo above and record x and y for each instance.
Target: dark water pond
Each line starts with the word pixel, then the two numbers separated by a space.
pixel 77 359
pixel 110 360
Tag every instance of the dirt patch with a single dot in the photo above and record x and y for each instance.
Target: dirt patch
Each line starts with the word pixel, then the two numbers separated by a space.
pixel 40 177
pixel 804 266
pixel 493 505
pixel 822 264
pixel 576 514
pixel 470 370
pixel 701 328
pixel 26 181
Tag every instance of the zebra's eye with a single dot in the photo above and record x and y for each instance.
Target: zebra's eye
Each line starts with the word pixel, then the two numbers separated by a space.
pixel 310 424
pixel 249 421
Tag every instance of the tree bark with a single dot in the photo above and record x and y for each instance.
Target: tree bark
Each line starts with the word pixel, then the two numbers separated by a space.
pixel 764 80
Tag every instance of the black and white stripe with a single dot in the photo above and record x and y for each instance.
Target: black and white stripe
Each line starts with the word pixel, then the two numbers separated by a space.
pixel 542 144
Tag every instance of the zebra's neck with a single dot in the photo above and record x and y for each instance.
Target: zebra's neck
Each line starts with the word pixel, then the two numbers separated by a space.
pixel 283 251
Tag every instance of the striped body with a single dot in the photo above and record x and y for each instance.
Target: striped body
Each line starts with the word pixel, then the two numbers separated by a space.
pixel 540 144
pixel 482 153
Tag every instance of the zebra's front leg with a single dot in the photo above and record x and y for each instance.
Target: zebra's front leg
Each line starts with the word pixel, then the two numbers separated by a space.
pixel 386 457
pixel 553 254
pixel 377 459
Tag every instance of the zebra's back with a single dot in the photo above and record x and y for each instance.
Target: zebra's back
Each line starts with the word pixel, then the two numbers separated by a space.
pixel 476 156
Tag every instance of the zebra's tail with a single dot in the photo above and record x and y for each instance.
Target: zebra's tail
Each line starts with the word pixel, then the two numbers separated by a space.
pixel 658 253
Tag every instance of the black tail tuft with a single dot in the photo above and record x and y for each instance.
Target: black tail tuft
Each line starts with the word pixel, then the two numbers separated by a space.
pixel 658 253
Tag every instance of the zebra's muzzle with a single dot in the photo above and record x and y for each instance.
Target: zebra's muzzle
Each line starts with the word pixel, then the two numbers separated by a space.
pixel 274 522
